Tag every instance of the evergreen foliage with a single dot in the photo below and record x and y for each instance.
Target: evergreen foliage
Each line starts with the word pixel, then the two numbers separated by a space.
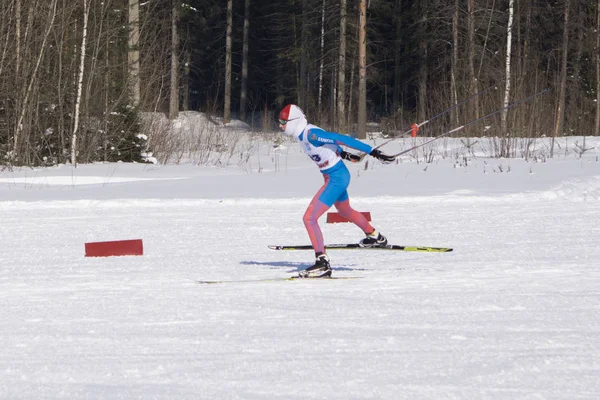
pixel 124 141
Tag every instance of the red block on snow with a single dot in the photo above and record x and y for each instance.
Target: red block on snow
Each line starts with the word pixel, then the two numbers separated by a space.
pixel 114 248
pixel 334 217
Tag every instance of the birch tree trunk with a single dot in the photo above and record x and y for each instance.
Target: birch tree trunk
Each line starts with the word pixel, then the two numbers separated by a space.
pixel 511 8
pixel 174 93
pixel 244 83
pixel 560 112
pixel 362 71
pixel 322 55
pixel 133 52
pixel 341 94
pixel 82 50
pixel 228 47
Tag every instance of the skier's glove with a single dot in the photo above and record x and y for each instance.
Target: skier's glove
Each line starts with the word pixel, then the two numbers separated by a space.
pixel 384 158
pixel 350 157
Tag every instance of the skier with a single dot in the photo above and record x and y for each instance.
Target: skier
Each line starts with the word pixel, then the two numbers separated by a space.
pixel 324 149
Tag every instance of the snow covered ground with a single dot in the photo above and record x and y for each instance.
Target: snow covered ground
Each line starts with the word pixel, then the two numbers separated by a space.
pixel 512 313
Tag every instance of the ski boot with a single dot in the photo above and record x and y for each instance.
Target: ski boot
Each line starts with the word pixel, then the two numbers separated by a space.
pixel 321 269
pixel 373 239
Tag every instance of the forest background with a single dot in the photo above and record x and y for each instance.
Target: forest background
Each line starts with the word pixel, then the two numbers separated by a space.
pixel 80 78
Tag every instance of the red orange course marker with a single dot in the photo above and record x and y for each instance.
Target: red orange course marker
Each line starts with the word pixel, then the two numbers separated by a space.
pixel 334 217
pixel 115 248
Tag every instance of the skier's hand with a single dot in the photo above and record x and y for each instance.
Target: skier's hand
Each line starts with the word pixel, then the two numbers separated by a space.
pixel 384 158
pixel 350 157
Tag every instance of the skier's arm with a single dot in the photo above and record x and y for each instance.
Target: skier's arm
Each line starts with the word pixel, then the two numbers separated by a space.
pixel 348 141
pixel 322 137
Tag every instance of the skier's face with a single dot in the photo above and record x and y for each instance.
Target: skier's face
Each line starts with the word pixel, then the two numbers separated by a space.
pixel 282 123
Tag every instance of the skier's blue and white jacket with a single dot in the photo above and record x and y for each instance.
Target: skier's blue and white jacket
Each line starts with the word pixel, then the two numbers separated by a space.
pixel 323 147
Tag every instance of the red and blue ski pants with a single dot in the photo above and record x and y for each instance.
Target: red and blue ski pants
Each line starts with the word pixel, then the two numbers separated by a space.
pixel 333 192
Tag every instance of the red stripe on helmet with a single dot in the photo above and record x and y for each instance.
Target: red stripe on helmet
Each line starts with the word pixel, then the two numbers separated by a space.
pixel 285 113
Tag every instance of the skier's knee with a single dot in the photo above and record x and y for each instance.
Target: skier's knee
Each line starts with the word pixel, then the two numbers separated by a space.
pixel 309 219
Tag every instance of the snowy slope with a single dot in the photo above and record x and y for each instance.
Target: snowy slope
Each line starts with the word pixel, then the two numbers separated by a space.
pixel 512 313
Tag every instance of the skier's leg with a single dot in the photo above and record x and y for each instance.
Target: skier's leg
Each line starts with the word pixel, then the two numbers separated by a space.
pixel 342 203
pixel 315 209
pixel 346 211
pixel 321 267
pixel 321 202
pixel 373 237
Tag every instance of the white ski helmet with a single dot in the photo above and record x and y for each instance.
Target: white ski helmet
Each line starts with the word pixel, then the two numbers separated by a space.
pixel 292 118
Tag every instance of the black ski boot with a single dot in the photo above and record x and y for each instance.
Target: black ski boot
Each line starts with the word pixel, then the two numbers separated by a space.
pixel 321 269
pixel 373 239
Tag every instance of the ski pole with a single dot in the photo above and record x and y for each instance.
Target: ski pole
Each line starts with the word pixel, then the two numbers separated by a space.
pixel 472 122
pixel 436 116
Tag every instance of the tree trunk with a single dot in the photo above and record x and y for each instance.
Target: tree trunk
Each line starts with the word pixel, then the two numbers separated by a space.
pixel 397 58
pixel 560 113
pixel 228 49
pixel 322 55
pixel 86 13
pixel 511 8
pixel 472 79
pixel 577 101
pixel 597 127
pixel 332 98
pixel 107 65
pixel 485 41
pixel 362 71
pixel 174 93
pixel 341 95
pixel 18 37
pixel 185 85
pixel 454 65
pixel 304 44
pixel 244 83
pixel 133 52
pixel 423 71
pixel 525 72
pixel 349 119
pixel 6 22
pixel 61 123
pixel 95 45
